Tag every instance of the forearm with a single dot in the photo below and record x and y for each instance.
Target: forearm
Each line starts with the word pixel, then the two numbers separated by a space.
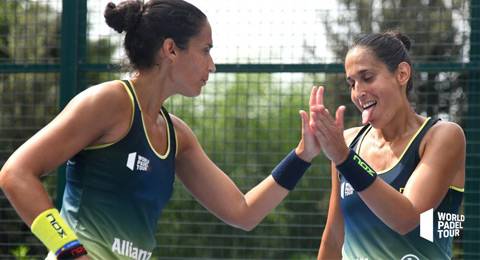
pixel 26 194
pixel 261 200
pixel 393 208
pixel 30 200
pixel 327 252
pixel 270 192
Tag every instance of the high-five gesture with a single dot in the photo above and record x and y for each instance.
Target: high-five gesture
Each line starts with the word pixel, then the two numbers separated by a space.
pixel 327 131
pixel 309 141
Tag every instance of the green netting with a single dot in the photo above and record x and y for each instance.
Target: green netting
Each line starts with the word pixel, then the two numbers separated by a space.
pixel 268 55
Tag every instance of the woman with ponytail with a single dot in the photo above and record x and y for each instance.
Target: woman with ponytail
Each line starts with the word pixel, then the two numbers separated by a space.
pixel 388 172
pixel 124 149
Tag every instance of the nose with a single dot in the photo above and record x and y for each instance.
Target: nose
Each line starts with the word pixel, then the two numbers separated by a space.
pixel 358 91
pixel 211 65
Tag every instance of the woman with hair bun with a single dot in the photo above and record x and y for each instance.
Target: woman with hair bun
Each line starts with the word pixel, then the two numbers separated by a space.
pixel 394 168
pixel 124 149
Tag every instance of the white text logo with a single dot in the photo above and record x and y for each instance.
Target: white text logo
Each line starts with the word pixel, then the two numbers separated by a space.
pixel 139 161
pixel 126 248
pixel 449 225
pixel 346 190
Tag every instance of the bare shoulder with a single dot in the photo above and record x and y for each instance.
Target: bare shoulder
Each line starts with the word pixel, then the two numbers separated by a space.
pixel 105 110
pixel 111 91
pixel 446 131
pixel 180 126
pixel 350 133
pixel 185 137
pixel 107 101
pixel 446 136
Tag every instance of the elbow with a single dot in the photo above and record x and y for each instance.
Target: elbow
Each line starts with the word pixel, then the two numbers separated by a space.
pixel 248 227
pixel 243 225
pixel 6 179
pixel 241 216
pixel 405 227
pixel 404 230
pixel 11 178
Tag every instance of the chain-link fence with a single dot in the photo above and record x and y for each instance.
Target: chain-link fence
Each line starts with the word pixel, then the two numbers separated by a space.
pixel 268 53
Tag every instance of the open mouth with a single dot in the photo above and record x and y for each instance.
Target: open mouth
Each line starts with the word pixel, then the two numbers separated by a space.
pixel 369 104
pixel 367 112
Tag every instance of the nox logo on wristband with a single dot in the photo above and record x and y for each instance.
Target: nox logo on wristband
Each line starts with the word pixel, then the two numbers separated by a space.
pixel 56 225
pixel 354 168
pixel 364 165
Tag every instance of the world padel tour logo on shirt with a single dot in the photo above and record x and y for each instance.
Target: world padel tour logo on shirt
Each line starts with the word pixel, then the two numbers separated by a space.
pixel 448 225
pixel 137 162
pixel 346 190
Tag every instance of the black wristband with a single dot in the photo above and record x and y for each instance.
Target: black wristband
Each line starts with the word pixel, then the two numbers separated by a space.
pixel 356 171
pixel 290 170
pixel 72 252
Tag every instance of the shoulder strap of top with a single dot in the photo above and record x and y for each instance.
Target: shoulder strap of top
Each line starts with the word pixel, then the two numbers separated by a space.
pixel 133 95
pixel 171 128
pixel 418 138
pixel 359 135
pixel 128 85
pixel 173 135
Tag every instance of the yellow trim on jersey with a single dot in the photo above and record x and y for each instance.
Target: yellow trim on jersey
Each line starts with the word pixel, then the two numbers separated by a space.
pixel 457 189
pixel 176 138
pixel 361 140
pixel 404 151
pixel 131 121
pixel 145 129
pixel 132 97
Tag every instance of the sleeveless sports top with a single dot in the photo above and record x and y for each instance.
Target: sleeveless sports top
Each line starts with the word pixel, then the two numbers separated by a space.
pixel 115 193
pixel 367 237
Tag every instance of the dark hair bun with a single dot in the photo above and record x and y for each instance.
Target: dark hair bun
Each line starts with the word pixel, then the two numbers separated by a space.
pixel 125 16
pixel 402 37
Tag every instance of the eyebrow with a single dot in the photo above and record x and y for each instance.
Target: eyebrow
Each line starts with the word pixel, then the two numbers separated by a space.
pixel 359 73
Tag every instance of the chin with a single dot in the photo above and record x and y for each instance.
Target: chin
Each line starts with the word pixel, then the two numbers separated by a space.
pixel 196 94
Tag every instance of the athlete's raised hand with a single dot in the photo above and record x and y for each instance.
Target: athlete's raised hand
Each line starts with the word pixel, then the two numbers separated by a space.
pixel 309 144
pixel 327 131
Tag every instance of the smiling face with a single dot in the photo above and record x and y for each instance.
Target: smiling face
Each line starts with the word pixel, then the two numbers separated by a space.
pixel 374 89
pixel 195 63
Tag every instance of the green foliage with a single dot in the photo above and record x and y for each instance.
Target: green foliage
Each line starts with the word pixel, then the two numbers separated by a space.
pixel 433 28
pixel 435 34
pixel 21 253
pixel 30 35
pixel 246 123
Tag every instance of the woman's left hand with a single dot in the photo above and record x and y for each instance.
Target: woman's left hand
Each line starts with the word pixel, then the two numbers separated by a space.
pixel 327 131
pixel 308 147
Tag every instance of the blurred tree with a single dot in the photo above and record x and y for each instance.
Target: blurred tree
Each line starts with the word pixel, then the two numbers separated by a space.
pixel 30 33
pixel 246 123
pixel 433 27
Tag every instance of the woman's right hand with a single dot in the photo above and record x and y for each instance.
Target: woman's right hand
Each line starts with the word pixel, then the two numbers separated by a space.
pixel 328 131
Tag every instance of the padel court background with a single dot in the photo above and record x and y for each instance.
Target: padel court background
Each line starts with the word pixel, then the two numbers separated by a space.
pixel 268 54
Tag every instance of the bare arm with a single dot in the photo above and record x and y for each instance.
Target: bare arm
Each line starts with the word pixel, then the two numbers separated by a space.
pixel 96 116
pixel 426 187
pixel 83 122
pixel 217 192
pixel 333 234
